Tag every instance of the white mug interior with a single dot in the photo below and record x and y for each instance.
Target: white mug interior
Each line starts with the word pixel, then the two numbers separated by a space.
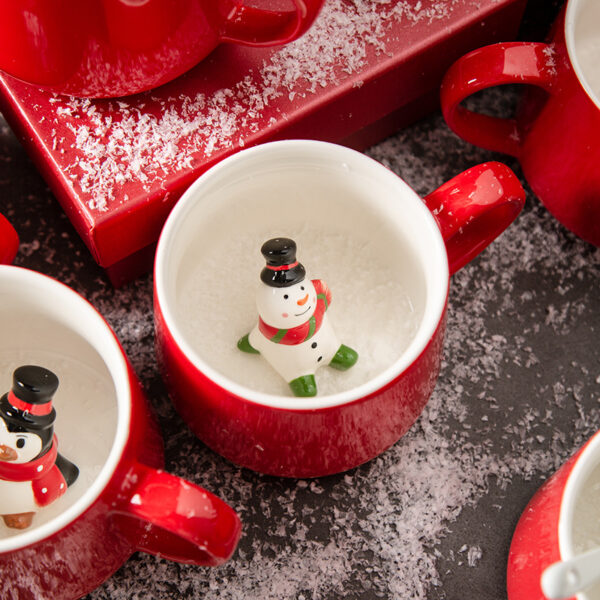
pixel 582 36
pixel 44 322
pixel 579 520
pixel 306 190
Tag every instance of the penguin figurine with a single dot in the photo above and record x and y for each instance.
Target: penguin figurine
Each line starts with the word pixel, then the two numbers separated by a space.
pixel 293 332
pixel 32 472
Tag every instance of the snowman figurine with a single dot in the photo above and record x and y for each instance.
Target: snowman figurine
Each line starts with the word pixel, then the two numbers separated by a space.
pixel 32 473
pixel 293 332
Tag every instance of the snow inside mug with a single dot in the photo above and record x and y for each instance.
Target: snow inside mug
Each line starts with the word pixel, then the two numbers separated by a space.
pixel 386 257
pixel 561 521
pixel 109 48
pixel 122 501
pixel 556 135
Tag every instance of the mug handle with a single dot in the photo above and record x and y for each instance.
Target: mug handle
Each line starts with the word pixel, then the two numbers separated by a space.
pixel 258 27
pixel 9 242
pixel 474 208
pixel 176 519
pixel 513 62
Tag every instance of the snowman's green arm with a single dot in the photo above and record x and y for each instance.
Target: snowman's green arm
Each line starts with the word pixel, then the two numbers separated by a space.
pixel 245 346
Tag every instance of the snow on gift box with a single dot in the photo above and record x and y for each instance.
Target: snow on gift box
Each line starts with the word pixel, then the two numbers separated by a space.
pixel 118 167
pixel 385 253
pixel 122 501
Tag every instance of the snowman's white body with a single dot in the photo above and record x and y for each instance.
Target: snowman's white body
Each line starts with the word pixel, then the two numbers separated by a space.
pixel 295 361
pixel 16 497
pixel 278 307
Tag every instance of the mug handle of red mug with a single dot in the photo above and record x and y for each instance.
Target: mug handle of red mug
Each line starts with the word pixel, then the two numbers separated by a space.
pixel 513 62
pixel 474 208
pixel 9 242
pixel 258 27
pixel 176 519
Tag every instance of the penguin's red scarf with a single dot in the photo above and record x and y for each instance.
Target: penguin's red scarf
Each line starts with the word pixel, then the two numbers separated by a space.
pixel 47 481
pixel 301 333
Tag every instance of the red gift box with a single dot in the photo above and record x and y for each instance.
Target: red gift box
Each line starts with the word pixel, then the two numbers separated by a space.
pixel 364 70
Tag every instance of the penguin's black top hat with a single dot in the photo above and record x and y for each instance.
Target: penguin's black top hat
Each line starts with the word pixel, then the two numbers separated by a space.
pixel 282 268
pixel 29 402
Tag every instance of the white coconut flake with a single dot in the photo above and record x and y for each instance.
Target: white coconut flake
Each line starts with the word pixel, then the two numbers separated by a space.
pixel 474 555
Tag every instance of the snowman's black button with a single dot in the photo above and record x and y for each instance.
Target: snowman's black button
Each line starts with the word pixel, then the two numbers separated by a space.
pixel 319 359
pixel 313 345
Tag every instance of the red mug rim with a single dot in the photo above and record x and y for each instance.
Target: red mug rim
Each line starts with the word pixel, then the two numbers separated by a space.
pixel 92 327
pixel 333 156
pixel 571 20
pixel 577 478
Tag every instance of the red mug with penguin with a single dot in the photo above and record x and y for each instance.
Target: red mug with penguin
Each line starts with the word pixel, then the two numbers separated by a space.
pixel 128 504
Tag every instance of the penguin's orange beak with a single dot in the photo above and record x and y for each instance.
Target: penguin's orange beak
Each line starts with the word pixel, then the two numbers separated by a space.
pixel 7 453
pixel 302 302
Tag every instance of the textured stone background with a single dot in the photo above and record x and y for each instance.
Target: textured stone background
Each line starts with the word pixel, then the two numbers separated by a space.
pixel 433 517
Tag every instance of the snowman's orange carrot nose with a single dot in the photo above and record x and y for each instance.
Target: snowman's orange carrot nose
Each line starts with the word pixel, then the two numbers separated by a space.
pixel 7 453
pixel 303 301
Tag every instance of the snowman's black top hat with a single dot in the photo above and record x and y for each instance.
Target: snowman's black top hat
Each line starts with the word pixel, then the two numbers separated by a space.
pixel 282 268
pixel 28 405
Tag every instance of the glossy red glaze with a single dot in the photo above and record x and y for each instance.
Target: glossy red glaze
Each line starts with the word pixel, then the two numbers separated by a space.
pixel 398 86
pixel 140 508
pixel 555 136
pixel 535 543
pixel 474 208
pixel 9 242
pixel 471 210
pixel 295 443
pixel 107 48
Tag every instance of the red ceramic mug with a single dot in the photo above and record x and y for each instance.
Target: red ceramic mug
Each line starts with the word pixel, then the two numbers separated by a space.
pixel 107 48
pixel 560 522
pixel 9 241
pixel 325 197
pixel 557 131
pixel 122 501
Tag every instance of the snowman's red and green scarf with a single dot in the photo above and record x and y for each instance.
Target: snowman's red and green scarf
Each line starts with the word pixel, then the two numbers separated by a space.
pixel 301 333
